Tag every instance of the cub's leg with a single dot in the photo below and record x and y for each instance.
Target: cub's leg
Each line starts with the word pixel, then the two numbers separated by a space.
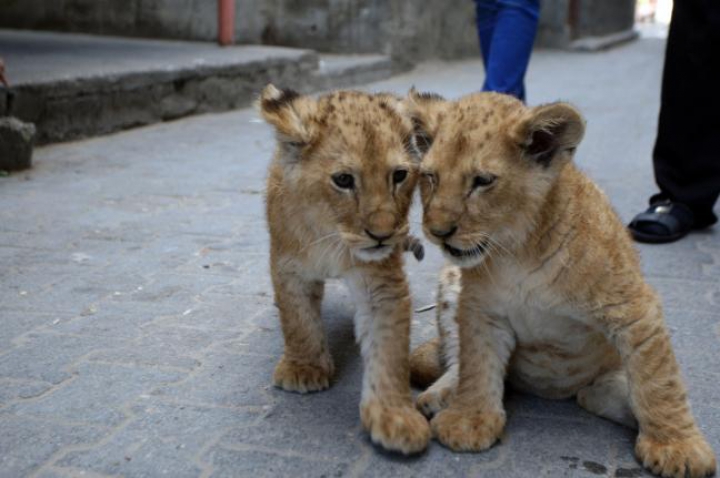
pixel 382 328
pixel 609 397
pixel 475 417
pixel 306 365
pixel 438 395
pixel 669 443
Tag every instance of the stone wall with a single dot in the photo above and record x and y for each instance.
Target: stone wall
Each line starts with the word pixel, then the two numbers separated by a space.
pixel 600 17
pixel 554 29
pixel 409 30
pixel 405 29
pixel 186 19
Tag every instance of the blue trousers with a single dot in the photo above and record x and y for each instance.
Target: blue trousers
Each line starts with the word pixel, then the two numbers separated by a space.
pixel 507 31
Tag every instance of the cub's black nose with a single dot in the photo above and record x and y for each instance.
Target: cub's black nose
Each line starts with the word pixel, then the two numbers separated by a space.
pixel 443 234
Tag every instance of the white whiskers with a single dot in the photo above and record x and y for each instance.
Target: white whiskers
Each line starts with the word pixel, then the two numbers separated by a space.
pixel 317 241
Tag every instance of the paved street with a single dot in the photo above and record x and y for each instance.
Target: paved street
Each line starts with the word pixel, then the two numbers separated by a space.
pixel 137 329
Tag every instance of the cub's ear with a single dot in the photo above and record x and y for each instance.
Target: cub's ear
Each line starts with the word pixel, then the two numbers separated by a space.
pixel 551 132
pixel 290 113
pixel 425 111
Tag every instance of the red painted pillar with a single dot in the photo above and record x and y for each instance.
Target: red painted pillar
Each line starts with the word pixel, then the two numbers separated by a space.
pixel 226 22
pixel 3 81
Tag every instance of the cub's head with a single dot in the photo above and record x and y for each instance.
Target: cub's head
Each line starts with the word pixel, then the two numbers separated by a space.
pixel 348 156
pixel 489 162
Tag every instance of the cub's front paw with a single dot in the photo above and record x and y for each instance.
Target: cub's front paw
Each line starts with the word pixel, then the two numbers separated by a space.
pixel 691 457
pixel 302 377
pixel 433 400
pixel 468 430
pixel 398 428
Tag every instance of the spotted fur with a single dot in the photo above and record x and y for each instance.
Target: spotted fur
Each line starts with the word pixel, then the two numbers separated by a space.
pixel 544 286
pixel 321 229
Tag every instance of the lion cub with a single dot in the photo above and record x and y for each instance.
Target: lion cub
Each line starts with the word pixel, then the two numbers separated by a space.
pixel 546 288
pixel 338 194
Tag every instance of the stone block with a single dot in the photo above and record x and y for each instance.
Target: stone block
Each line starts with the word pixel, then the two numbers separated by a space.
pixel 97 395
pixel 47 357
pixel 16 144
pixel 160 440
pixel 231 462
pixel 27 444
pixel 225 381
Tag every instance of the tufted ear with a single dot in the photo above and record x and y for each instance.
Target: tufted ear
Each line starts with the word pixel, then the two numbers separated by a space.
pixel 290 113
pixel 549 132
pixel 425 111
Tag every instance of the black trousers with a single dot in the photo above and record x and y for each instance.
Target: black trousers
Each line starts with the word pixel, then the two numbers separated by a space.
pixel 686 157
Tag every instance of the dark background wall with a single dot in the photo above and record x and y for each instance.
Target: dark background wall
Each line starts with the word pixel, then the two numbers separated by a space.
pixel 191 19
pixel 598 17
pixel 411 29
pixel 407 29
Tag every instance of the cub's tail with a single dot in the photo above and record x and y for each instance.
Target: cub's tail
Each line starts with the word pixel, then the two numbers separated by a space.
pixel 426 363
pixel 430 360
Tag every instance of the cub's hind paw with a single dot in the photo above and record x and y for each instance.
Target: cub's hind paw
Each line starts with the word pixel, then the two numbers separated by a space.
pixel 302 377
pixel 691 457
pixel 433 400
pixel 468 430
pixel 395 428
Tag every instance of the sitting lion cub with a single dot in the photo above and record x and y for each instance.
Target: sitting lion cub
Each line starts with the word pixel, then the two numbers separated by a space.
pixel 338 194
pixel 546 288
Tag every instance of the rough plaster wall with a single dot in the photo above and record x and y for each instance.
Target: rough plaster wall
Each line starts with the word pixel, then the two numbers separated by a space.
pixel 600 17
pixel 187 19
pixel 331 25
pixel 553 30
pixel 406 29
pixel 409 30
pixel 444 29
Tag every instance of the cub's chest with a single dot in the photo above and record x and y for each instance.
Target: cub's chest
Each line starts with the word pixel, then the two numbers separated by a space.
pixel 536 313
pixel 326 262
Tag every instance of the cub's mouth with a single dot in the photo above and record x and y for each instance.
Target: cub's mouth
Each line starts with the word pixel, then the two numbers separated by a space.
pixel 379 249
pixel 476 251
pixel 377 252
pixel 376 247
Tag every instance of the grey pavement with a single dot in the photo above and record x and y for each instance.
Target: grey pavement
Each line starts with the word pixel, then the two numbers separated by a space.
pixel 138 334
pixel 75 86
pixel 42 57
pixel 36 57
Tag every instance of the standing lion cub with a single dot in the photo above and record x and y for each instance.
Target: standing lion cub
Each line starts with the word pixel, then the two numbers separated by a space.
pixel 338 193
pixel 546 288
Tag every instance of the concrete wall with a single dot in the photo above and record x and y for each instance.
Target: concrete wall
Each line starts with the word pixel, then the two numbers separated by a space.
pixel 600 17
pixel 563 21
pixel 409 30
pixel 188 19
pixel 405 29
pixel 554 29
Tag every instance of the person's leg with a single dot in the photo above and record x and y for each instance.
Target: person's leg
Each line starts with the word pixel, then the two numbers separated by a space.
pixel 485 17
pixel 686 158
pixel 511 45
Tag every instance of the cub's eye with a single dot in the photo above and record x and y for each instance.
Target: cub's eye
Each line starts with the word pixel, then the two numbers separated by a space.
pixel 344 180
pixel 483 181
pixel 399 176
